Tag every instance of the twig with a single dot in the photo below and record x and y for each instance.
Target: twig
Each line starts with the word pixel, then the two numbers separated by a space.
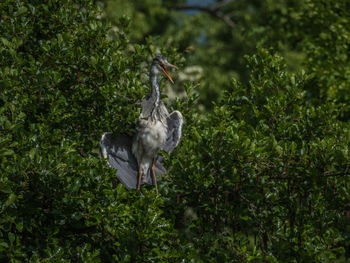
pixel 213 11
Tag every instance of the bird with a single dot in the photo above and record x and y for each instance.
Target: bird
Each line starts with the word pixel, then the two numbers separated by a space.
pixel 155 124
pixel 136 158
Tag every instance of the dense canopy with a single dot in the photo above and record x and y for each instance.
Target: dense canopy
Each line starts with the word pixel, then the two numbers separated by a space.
pixel 262 173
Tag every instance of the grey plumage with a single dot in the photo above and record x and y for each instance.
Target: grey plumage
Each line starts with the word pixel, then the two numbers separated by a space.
pixel 136 158
pixel 175 122
pixel 118 153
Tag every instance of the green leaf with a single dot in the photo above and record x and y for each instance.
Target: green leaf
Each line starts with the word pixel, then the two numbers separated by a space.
pixel 10 200
pixel 11 237
pixel 21 11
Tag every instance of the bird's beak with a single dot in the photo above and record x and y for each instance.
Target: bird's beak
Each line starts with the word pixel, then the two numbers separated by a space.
pixel 166 72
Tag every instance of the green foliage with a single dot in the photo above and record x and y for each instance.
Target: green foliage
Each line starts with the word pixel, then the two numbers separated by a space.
pixel 266 176
pixel 311 34
pixel 62 84
pixel 263 178
pixel 320 32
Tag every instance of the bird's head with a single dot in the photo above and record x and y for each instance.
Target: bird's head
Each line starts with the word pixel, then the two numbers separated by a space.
pixel 160 64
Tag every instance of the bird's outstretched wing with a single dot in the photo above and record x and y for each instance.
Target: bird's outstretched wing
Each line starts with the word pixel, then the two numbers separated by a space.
pixel 175 121
pixel 119 156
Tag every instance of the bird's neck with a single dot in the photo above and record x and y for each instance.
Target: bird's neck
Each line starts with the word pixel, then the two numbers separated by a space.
pixel 155 94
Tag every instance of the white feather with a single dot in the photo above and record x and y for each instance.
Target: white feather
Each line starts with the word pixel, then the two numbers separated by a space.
pixel 150 138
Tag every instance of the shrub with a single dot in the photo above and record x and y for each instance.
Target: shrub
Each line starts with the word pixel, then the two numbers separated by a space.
pixel 265 177
pixel 64 83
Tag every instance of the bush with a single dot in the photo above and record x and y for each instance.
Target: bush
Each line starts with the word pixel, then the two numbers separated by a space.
pixel 263 177
pixel 63 84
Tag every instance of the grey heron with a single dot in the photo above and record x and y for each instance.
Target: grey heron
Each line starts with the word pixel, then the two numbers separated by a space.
pixel 136 158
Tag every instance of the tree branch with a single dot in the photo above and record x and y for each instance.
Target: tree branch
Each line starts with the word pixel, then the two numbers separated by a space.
pixel 211 10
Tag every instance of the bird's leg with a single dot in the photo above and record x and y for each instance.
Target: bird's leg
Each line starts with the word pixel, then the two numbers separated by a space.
pixel 154 176
pixel 140 176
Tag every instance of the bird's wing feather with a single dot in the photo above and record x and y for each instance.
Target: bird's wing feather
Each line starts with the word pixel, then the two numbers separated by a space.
pixel 175 121
pixel 119 156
